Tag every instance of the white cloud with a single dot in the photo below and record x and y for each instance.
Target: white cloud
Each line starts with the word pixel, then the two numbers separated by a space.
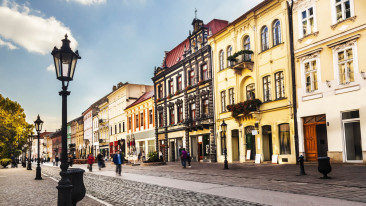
pixel 51 68
pixel 34 33
pixel 89 2
pixel 7 44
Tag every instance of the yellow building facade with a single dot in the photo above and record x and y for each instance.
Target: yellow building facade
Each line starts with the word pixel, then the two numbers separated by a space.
pixel 330 40
pixel 264 133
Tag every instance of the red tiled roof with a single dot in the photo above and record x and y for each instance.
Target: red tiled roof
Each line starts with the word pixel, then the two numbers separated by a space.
pixel 144 97
pixel 171 58
pixel 175 55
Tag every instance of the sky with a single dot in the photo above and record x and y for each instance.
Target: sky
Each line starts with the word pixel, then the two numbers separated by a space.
pixel 118 41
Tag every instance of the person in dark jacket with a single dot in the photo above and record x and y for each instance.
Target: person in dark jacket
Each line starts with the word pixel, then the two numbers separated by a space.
pixel 183 157
pixel 118 160
pixel 100 160
pixel 57 159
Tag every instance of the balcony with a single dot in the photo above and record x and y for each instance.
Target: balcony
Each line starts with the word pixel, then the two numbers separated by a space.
pixel 102 121
pixel 241 60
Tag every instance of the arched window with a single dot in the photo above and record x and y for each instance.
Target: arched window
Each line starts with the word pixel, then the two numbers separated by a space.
pixel 221 59
pixel 229 51
pixel 264 38
pixel 276 32
pixel 247 57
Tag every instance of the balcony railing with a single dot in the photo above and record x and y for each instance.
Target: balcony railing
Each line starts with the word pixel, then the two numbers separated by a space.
pixel 241 60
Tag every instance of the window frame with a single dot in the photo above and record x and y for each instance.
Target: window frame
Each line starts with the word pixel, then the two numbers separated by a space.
pixel 204 72
pixel 192 111
pixel 345 61
pixel 141 119
pixel 288 147
pixel 249 91
pixel 192 77
pixel 171 116
pixel 280 85
pixel 150 116
pixel 179 83
pixel 229 52
pixel 264 38
pixel 334 10
pixel 205 107
pixel 180 113
pixel 137 121
pixel 246 46
pixel 231 96
pixel 307 19
pixel 276 32
pixel 221 59
pixel 223 101
pixel 311 70
pixel 266 87
pixel 171 87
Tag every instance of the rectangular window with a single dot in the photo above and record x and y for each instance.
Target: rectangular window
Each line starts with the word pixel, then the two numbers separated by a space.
pixel 231 96
pixel 223 101
pixel 180 113
pixel 192 111
pixel 119 127
pixel 343 9
pixel 191 78
pixel 307 19
pixel 160 88
pixel 115 129
pixel 284 135
pixel 250 89
pixel 171 115
pixel 150 146
pixel 171 87
pixel 161 119
pixel 204 72
pixel 150 117
pixel 142 119
pixel 267 88
pixel 280 85
pixel 345 66
pixel 129 123
pixel 123 127
pixel 311 75
pixel 179 83
pixel 136 121
pixel 205 107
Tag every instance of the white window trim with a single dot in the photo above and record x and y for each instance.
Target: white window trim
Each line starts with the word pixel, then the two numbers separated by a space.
pixel 334 12
pixel 301 35
pixel 355 64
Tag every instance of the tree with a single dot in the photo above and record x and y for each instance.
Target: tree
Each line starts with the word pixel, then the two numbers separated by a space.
pixel 14 129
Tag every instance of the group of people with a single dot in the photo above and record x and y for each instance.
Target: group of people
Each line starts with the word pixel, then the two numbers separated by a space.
pixel 117 160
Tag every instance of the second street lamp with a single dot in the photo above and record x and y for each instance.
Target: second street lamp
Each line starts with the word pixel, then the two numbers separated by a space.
pixel 223 135
pixel 38 123
pixel 65 62
pixel 30 140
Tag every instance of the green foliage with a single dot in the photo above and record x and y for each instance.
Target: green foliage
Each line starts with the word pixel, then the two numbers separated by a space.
pixel 14 129
pixel 153 157
pixel 5 162
pixel 236 54
pixel 244 107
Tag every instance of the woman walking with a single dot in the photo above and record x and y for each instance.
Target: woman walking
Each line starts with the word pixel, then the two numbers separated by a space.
pixel 90 161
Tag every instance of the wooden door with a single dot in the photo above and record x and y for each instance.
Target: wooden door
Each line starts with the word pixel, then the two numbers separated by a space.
pixel 311 148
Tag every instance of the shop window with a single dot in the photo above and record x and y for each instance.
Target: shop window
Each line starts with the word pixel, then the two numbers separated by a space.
pixel 284 135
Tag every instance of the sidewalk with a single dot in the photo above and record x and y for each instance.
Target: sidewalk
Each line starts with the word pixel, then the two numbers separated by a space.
pixel 18 187
pixel 265 184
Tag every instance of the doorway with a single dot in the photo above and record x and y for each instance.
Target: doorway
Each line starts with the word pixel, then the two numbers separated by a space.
pixel 172 151
pixel 235 144
pixel 315 137
pixel 352 135
pixel 267 142
pixel 250 141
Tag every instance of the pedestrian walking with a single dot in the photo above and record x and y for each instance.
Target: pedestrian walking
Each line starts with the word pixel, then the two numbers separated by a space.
pixel 57 159
pixel 91 160
pixel 189 160
pixel 118 160
pixel 100 160
pixel 183 157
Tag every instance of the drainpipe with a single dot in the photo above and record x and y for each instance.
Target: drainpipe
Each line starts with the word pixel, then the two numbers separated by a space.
pixel 294 102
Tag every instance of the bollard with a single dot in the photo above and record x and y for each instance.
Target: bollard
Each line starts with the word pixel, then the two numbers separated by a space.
pixel 301 161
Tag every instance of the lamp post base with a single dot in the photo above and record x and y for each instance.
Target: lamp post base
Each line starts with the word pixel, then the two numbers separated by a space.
pixel 226 166
pixel 64 190
pixel 38 173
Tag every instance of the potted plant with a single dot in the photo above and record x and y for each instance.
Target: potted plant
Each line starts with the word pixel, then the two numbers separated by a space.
pixel 244 107
pixel 5 162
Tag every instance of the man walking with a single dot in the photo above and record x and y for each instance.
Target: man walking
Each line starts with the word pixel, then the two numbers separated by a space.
pixel 183 157
pixel 100 161
pixel 118 160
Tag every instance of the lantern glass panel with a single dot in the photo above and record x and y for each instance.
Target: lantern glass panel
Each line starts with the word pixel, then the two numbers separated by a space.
pixel 56 58
pixel 66 63
pixel 73 65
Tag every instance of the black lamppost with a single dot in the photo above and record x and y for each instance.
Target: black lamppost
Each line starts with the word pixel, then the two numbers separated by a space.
pixel 38 123
pixel 223 135
pixel 65 62
pixel 30 140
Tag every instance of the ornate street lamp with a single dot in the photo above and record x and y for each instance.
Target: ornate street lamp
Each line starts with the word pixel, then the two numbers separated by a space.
pixel 38 123
pixel 223 135
pixel 30 140
pixel 65 62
